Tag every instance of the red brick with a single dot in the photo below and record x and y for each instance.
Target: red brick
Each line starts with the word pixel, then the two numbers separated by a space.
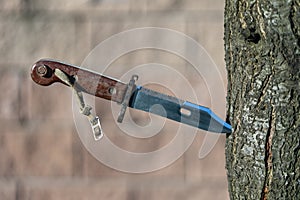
pixel 210 37
pixel 9 97
pixel 176 188
pixel 158 188
pixel 52 102
pixel 40 149
pixel 210 189
pixel 203 5
pixel 211 166
pixel 10 5
pixel 46 145
pixel 119 5
pixel 186 5
pixel 7 189
pixel 93 167
pixel 73 189
pixel 22 99
pixel 80 5
pixel 26 41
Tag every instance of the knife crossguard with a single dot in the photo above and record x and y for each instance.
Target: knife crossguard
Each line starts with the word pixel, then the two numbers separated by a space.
pixel 129 91
pixel 45 72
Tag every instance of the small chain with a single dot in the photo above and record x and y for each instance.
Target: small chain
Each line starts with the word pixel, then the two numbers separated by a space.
pixel 84 109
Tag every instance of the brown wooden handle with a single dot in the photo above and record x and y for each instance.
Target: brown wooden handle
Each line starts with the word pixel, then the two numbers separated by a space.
pixel 93 83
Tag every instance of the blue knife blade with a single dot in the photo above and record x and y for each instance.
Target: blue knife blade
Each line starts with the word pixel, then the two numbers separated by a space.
pixel 178 110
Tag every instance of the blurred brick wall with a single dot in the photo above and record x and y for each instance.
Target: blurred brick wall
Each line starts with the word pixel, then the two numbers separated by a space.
pixel 41 156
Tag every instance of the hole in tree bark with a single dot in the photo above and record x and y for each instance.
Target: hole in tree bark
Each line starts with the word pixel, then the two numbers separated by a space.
pixel 253 36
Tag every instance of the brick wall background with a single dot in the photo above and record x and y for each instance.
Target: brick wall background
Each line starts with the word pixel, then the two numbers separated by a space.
pixel 41 156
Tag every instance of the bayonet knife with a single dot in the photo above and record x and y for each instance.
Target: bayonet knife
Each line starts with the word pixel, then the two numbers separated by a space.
pixel 129 95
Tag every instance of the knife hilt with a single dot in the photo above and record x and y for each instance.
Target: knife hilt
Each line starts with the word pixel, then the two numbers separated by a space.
pixel 47 72
pixel 93 83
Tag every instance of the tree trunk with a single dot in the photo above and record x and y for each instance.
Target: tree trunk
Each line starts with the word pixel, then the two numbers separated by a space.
pixel 262 44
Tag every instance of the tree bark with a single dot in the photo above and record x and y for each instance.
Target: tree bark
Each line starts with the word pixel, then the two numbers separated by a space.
pixel 262 45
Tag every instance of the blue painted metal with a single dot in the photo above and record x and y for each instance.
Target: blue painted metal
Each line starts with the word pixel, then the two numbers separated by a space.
pixel 178 110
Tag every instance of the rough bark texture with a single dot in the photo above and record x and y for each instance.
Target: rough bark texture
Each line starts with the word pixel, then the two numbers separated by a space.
pixel 262 44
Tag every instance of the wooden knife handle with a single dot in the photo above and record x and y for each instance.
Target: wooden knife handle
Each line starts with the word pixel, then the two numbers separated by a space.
pixel 42 72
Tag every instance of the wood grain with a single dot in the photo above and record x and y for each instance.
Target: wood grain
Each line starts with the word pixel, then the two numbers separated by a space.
pixel 87 81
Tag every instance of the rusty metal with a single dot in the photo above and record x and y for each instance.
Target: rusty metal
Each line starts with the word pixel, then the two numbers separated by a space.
pixel 130 89
pixel 41 70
